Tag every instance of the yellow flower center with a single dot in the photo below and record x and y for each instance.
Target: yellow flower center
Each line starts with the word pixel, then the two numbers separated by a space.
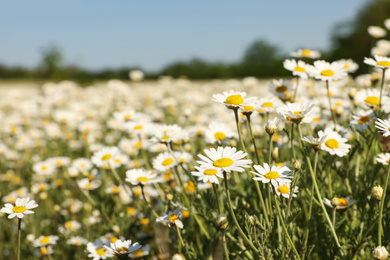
pixel 383 63
pixel 130 211
pixel 267 104
pixel 190 187
pixel 59 163
pixel 115 189
pixel 88 185
pixel 106 157
pixel 332 143
pixel 138 145
pixel 144 221
pixel 19 209
pixel 43 251
pixel 122 249
pixel 342 202
pixel 167 162
pixel 219 136
pixel 279 164
pixel 223 162
pixel 248 108
pixel 327 73
pixel 364 119
pixel 299 69
pixel 372 100
pixel 297 112
pixel 271 175
pixel 185 213
pixel 172 217
pixel 346 66
pixel 143 179
pixel 69 225
pixel 45 240
pixel 127 117
pixel 44 168
pixel 284 189
pixel 210 172
pixel 100 251
pixel 138 127
pixel 138 253
pixel 306 52
pixel 281 89
pixel 234 100
pixel 166 137
pixel 113 239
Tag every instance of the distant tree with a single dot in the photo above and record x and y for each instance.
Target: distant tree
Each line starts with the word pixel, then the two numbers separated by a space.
pixel 351 39
pixel 51 65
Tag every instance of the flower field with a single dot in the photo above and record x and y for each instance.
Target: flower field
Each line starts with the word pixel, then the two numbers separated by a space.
pixel 293 168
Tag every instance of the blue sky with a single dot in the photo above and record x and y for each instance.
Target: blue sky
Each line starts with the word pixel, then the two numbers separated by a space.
pixel 99 34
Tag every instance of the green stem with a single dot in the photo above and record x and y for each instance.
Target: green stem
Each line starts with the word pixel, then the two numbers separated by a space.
pixel 381 209
pixel 330 106
pixel 239 129
pixel 225 249
pixel 270 150
pixel 284 227
pixel 292 142
pixel 147 202
pixel 242 234
pixel 19 236
pixel 382 83
pixel 180 238
pixel 217 198
pixel 253 138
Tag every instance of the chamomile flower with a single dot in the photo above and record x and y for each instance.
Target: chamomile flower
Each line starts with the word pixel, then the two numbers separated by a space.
pixel 143 251
pixel 370 98
pixel 348 65
pixel 104 156
pixel 298 68
pixel 306 53
pixel 219 132
pixel 141 177
pixel 164 161
pixel 296 113
pixel 86 184
pixel 45 168
pixel 82 164
pixel 231 99
pixel 376 31
pixel 207 175
pixel 45 241
pixel 383 158
pixel 281 88
pixel 122 249
pixel 22 207
pixel 98 251
pixel 315 142
pixel 172 218
pixel 70 226
pixel 379 62
pixel 268 105
pixel 334 144
pixel 77 241
pixel 383 126
pixel 327 71
pixel 224 158
pixel 275 175
pixel 362 119
pixel 285 191
pixel 339 203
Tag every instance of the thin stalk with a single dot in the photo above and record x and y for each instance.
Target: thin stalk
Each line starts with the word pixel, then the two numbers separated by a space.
pixel 330 190
pixel 242 234
pixel 253 138
pixel 19 236
pixel 270 150
pixel 334 217
pixel 382 83
pixel 310 206
pixel 380 231
pixel 180 238
pixel 217 198
pixel 330 106
pixel 220 210
pixel 284 227
pixel 147 202
pixel 292 142
pixel 239 129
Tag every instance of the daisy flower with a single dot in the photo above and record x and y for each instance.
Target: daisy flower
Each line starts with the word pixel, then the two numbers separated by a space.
pixel 219 132
pixel 104 156
pixel 284 190
pixel 86 184
pixel 306 53
pixel 164 161
pixel 45 241
pixel 121 248
pixel 268 105
pixel 225 159
pixel 145 250
pixel 370 98
pixel 141 177
pixel 296 113
pixel 383 158
pixel 97 250
pixel 77 241
pixel 341 203
pixel 231 99
pixel 43 251
pixel 248 107
pixel 376 31
pixel 82 164
pixel 298 68
pixel 348 65
pixel 362 119
pixel 60 161
pixel 315 142
pixel 172 218
pixel 379 61
pixel 168 133
pixel 22 207
pixel 207 175
pixel 45 168
pixel 334 143
pixel 327 71
pixel 383 126
pixel 276 175
pixel 281 88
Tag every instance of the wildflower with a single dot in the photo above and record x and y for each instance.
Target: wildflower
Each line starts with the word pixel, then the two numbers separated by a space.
pixel 284 190
pixel 380 253
pixel 379 62
pixel 376 31
pixel 383 158
pixel 339 203
pixel 275 175
pixel 77 241
pixel 327 71
pixel 208 175
pixel 224 158
pixel 98 251
pixel 306 53
pixel 143 251
pixel 316 143
pixel 122 249
pixel 45 241
pixel 86 184
pixel 271 126
pixel 141 177
pixel 281 88
pixel 104 156
pixel 334 143
pixel 362 119
pixel 164 161
pixel 22 207
pixel 268 105
pixel 219 132
pixel 231 99
pixel 296 113
pixel 298 68
pixel 348 65
pixel 172 218
pixel 377 192
pixel 383 126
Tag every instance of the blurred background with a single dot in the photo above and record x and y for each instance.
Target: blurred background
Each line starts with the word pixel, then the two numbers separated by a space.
pixel 86 41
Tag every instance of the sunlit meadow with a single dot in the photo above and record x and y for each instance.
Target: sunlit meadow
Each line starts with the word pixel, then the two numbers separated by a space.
pixel 294 168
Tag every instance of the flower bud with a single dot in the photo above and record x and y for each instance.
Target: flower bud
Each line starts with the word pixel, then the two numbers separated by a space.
pixel 43 195
pixel 380 253
pixel 252 220
pixel 275 153
pixel 270 127
pixel 169 197
pixel 339 111
pixel 352 93
pixel 377 192
pixel 222 222
pixel 246 205
pixel 116 229
pixel 297 165
pixel 57 208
